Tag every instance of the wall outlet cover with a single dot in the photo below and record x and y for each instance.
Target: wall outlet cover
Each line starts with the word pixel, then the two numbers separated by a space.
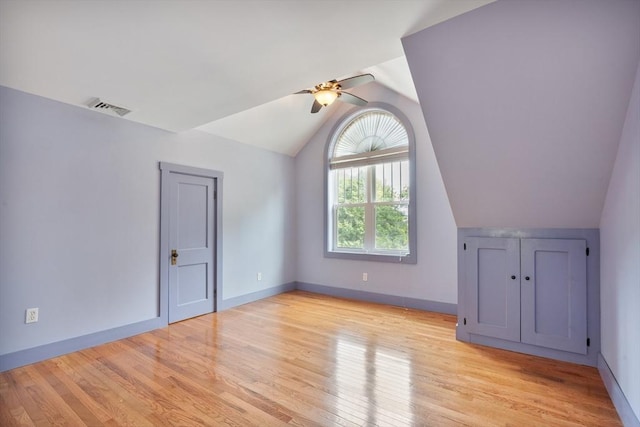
pixel 31 315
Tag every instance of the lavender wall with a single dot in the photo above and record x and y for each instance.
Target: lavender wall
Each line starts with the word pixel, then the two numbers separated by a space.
pixel 620 262
pixel 79 217
pixel 524 101
pixel 433 278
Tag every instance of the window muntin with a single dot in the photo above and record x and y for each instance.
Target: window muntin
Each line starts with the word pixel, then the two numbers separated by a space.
pixel 369 187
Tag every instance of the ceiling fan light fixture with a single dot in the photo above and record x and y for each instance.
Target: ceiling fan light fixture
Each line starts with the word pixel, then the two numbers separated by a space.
pixel 325 96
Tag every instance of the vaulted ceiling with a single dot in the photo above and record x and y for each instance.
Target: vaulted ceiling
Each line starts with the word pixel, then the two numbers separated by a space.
pixel 225 66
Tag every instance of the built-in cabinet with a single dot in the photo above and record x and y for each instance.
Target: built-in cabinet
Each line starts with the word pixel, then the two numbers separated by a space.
pixel 529 294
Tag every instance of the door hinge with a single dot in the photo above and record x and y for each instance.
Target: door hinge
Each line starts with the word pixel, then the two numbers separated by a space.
pixel 587 251
pixel 588 342
pixel 465 246
pixel 464 321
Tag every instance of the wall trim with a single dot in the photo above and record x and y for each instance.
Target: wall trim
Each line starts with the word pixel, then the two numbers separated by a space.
pixel 399 301
pixel 625 411
pixel 255 296
pixel 47 351
pixel 58 348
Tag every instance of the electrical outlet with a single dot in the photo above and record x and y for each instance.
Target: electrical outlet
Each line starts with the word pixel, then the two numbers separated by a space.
pixel 31 316
pixel 365 277
pixel 259 277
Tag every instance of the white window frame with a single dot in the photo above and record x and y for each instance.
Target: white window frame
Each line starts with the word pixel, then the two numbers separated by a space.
pixel 391 155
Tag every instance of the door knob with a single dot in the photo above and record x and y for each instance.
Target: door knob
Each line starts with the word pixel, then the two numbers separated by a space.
pixel 174 256
pixel 527 278
pixel 513 277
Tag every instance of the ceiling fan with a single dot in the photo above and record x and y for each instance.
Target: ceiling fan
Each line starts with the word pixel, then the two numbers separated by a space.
pixel 327 92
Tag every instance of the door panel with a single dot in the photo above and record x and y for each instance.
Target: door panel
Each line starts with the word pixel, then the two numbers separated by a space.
pixel 551 293
pixel 492 287
pixel 554 294
pixel 189 284
pixel 492 268
pixel 192 215
pixel 191 235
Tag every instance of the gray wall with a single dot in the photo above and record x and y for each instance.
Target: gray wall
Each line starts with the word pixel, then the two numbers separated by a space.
pixel 79 217
pixel 525 101
pixel 620 261
pixel 433 278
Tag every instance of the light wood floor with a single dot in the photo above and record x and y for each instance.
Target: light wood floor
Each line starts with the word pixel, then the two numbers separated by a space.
pixel 304 359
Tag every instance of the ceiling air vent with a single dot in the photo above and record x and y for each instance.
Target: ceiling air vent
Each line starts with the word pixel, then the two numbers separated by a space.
pixel 97 104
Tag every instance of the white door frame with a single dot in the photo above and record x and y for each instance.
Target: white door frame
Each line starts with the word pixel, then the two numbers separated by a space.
pixel 166 170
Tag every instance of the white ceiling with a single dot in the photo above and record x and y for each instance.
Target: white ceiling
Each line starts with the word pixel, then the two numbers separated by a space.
pixel 288 121
pixel 185 64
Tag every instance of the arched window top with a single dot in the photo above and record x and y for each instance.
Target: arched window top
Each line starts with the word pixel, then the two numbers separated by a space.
pixel 374 135
pixel 370 131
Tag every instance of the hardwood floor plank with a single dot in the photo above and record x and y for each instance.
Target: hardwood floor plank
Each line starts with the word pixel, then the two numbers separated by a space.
pixel 71 376
pixel 303 359
pixel 14 413
pixel 123 408
pixel 73 401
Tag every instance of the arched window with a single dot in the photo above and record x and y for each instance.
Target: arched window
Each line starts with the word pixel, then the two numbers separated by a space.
pixel 370 187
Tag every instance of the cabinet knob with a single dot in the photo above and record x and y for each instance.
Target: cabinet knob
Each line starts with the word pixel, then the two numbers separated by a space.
pixel 526 278
pixel 513 277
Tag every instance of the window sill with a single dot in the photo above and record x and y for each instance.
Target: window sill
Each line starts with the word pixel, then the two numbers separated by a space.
pixel 377 257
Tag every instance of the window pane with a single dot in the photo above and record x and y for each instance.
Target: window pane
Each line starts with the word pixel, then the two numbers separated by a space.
pixel 350 227
pixel 392 181
pixel 392 227
pixel 351 183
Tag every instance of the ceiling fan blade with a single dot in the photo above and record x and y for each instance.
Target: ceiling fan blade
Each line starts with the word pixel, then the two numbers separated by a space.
pixel 316 106
pixel 352 99
pixel 356 81
pixel 302 91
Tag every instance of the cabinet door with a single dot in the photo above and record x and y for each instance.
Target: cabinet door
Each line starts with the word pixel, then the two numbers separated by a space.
pixel 492 268
pixel 554 294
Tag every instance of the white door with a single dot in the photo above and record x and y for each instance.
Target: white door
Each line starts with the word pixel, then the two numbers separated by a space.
pixel 191 246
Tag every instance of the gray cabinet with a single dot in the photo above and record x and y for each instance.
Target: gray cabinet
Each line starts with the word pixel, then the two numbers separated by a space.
pixel 493 296
pixel 532 291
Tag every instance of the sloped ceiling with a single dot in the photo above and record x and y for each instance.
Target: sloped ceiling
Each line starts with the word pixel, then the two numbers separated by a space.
pixel 525 103
pixel 182 64
pixel 296 124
